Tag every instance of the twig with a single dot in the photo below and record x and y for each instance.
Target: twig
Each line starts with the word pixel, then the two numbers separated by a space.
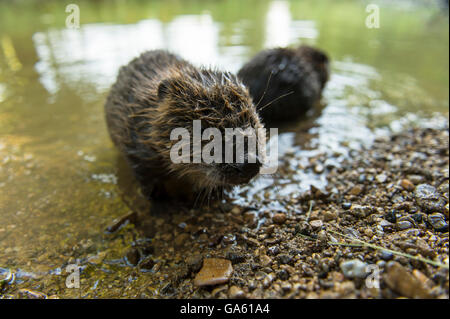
pixel 363 243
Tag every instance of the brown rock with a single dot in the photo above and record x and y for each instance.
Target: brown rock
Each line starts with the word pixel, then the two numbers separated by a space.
pixel 279 218
pixel 404 283
pixel 236 292
pixel 356 190
pixel 181 239
pixel 316 224
pixel 407 185
pixel 329 216
pixel 214 271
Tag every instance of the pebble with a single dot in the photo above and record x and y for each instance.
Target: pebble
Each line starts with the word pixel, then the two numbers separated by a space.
pixel 181 239
pixel 31 294
pixel 268 280
pixel 329 216
pixel 236 257
pixel 214 271
pixel 403 282
pixel 356 190
pixel 265 260
pixel 279 218
pixel 147 263
pixel 429 199
pixel 437 221
pixel 283 274
pixel 284 259
pixel 236 292
pixel 194 262
pixel 316 224
pixel 381 178
pixel 386 255
pixel 346 206
pixel 218 290
pixel 416 179
pixel 407 185
pixel 354 268
pixel 404 224
pixel 361 211
pixel 133 256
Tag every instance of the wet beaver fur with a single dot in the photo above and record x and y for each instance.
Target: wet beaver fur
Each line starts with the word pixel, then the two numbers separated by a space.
pixel 159 91
pixel 284 82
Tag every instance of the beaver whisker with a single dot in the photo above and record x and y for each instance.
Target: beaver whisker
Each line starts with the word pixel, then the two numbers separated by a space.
pixel 265 90
pixel 280 97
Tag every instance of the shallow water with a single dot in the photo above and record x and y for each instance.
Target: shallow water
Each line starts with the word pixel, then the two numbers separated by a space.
pixel 59 183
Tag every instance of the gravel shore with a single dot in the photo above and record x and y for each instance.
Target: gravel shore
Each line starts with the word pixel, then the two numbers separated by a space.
pixel 379 229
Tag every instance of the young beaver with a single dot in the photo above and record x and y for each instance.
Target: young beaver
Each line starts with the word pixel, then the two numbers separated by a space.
pixel 158 92
pixel 285 83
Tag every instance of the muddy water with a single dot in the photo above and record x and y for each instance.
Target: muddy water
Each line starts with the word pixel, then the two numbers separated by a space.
pixel 60 177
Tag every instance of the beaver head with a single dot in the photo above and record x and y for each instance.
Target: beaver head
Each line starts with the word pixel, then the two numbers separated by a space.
pixel 217 100
pixel 319 60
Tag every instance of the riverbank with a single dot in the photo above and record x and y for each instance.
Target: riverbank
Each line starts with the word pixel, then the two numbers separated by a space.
pixel 379 229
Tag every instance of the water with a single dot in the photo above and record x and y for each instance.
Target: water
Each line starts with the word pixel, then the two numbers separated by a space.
pixel 59 184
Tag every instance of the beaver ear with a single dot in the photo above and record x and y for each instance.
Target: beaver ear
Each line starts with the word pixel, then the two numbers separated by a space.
pixel 164 88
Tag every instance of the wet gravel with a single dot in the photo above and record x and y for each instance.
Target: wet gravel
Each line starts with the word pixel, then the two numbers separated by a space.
pixel 325 244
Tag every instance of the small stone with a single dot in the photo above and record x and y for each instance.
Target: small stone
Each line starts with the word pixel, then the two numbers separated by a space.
pixel 181 239
pixel 356 190
pixel 236 210
pixel 345 288
pixel 404 283
pixel 286 286
pixel 194 262
pixel 251 219
pixel 407 185
pixel 346 206
pixel 354 268
pixel 235 257
pixel 147 263
pixel 318 169
pixel 133 256
pixel 270 229
pixel 283 274
pixel 268 280
pixel 284 259
pixel 279 218
pixel 404 224
pixel 316 224
pixel 265 260
pixel 437 221
pixel 214 271
pixel 361 211
pixel 97 259
pixel 218 290
pixel 381 178
pixel 429 199
pixel 31 294
pixel 386 255
pixel 329 216
pixel 274 250
pixel 416 179
pixel 236 292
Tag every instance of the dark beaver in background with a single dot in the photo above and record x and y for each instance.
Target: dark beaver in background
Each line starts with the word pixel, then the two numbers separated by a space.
pixel 285 83
pixel 158 92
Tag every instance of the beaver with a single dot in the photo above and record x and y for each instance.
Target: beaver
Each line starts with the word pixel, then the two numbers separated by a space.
pixel 158 92
pixel 285 82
